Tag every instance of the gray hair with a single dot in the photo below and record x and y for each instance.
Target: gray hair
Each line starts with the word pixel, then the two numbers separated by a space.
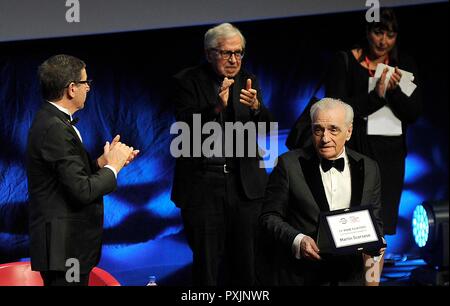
pixel 330 103
pixel 224 30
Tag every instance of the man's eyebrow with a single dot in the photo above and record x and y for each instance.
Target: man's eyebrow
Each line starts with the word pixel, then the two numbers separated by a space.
pixel 327 125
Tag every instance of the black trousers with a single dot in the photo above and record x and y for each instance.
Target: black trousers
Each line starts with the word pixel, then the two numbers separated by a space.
pixel 58 278
pixel 389 153
pixel 221 228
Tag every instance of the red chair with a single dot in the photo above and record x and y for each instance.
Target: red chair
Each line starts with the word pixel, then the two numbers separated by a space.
pixel 20 274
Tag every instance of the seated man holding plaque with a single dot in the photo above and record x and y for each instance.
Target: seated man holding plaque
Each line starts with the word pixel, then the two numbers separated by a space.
pixel 321 210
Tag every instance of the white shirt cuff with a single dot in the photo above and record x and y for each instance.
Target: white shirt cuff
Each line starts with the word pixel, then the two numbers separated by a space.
pixel 296 246
pixel 112 169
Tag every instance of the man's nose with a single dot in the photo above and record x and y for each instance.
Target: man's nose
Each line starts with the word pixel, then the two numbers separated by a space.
pixel 326 136
pixel 232 58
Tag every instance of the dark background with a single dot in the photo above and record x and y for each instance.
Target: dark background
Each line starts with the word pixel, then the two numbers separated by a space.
pixel 131 73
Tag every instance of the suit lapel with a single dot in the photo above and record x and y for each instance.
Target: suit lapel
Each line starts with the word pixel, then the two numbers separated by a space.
pixel 56 112
pixel 208 87
pixel 63 117
pixel 357 177
pixel 240 109
pixel 72 130
pixel 310 167
pixel 80 145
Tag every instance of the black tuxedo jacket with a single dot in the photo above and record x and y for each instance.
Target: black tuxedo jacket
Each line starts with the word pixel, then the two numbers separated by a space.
pixel 195 93
pixel 66 191
pixel 294 198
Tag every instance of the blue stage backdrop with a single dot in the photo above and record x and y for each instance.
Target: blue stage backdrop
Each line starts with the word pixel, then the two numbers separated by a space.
pixel 131 73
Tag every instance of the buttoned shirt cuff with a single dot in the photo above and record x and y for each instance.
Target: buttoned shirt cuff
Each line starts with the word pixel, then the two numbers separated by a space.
pixel 296 246
pixel 112 169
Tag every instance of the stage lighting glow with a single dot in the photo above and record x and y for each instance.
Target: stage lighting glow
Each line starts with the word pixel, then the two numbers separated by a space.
pixel 430 231
pixel 408 203
pixel 420 226
pixel 416 168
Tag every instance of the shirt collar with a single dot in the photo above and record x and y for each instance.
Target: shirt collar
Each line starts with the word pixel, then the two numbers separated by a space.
pixel 64 110
pixel 344 156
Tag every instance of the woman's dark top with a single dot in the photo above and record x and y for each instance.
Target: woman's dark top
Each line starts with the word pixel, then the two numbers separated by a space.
pixel 348 80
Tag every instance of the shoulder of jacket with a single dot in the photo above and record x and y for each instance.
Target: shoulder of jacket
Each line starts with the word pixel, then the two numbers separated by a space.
pixel 291 155
pixel 189 73
pixel 358 156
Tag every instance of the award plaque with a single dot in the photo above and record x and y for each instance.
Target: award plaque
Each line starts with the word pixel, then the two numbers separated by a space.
pixel 349 231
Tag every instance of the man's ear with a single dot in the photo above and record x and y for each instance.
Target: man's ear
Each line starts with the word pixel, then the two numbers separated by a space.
pixel 349 132
pixel 70 91
pixel 208 56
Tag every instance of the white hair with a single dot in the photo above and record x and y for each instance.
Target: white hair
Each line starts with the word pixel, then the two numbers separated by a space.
pixel 224 30
pixel 330 103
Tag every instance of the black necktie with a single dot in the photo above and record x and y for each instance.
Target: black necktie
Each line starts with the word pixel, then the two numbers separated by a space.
pixel 327 164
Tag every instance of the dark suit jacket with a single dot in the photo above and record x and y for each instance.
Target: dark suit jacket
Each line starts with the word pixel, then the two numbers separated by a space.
pixel 294 199
pixel 195 93
pixel 66 191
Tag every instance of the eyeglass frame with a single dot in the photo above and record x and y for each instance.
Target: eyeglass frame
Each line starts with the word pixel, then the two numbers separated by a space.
pixel 88 82
pixel 229 53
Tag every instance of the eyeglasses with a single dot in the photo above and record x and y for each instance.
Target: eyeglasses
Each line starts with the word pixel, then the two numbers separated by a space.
pixel 87 82
pixel 226 54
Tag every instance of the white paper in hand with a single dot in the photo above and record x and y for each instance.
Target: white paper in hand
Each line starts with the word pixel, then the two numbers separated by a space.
pixel 407 87
pixel 406 81
pixel 383 122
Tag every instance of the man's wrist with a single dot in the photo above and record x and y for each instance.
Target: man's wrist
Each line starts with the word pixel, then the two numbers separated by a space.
pixel 112 169
pixel 101 162
pixel 296 249
pixel 258 105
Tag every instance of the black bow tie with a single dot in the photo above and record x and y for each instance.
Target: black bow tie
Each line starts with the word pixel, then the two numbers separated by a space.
pixel 74 121
pixel 327 164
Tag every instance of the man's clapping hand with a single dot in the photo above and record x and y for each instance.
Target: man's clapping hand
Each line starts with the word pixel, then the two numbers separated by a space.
pixel 117 154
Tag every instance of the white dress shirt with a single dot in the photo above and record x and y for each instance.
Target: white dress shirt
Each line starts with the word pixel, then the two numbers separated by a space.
pixel 66 111
pixel 338 185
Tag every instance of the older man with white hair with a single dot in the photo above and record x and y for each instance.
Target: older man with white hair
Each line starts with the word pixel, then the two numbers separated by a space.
pixel 220 196
pixel 324 177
